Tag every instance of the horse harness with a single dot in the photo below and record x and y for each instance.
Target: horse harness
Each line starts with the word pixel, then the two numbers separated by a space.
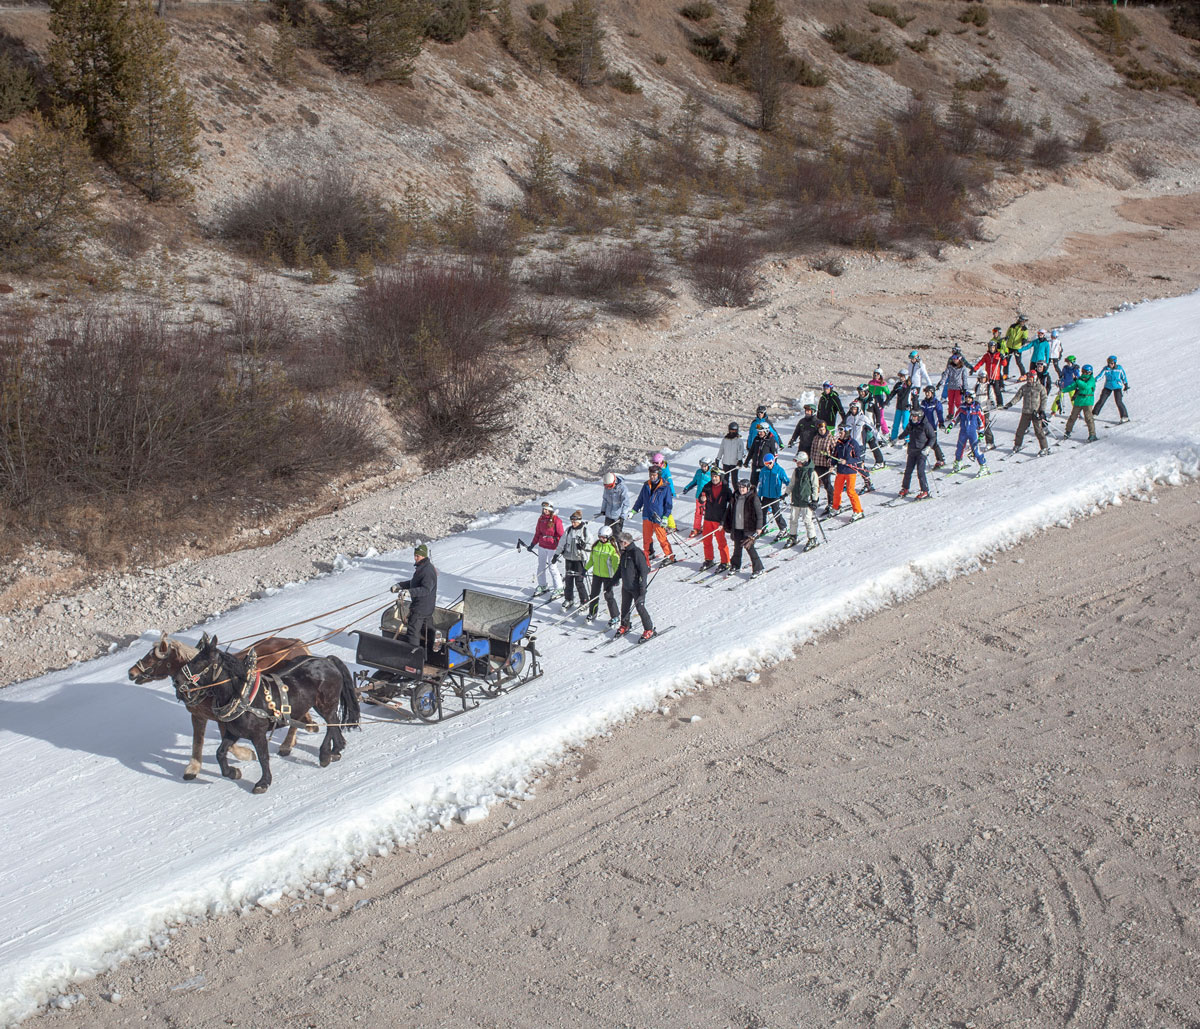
pixel 274 694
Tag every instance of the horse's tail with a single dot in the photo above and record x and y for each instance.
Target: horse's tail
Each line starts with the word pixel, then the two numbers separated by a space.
pixel 348 712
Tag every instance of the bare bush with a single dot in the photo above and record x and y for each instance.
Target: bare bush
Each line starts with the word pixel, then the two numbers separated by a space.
pixel 974 14
pixel 1094 139
pixel 297 219
pixel 1051 152
pixel 721 266
pixel 1144 166
pixel 260 322
pixel 549 323
pixel 859 46
pixel 436 337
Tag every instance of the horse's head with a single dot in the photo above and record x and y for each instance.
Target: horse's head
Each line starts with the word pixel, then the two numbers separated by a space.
pixel 202 672
pixel 161 661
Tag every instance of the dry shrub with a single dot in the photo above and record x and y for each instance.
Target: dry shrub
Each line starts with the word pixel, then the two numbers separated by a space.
pixel 1051 152
pixel 129 235
pixel 436 337
pixel 973 14
pixel 701 10
pixel 627 280
pixel 548 322
pixel 124 411
pixel 260 322
pixel 721 266
pixel 859 46
pixel 331 215
pixel 1094 139
pixel 1144 166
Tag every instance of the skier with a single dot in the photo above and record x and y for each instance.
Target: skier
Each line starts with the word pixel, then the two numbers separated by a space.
pixel 772 481
pixel 546 534
pixel 870 405
pixel 862 432
pixel 931 408
pixel 1083 395
pixel 917 374
pixel 613 502
pixel 1040 345
pixel 731 454
pixel 902 391
pixel 635 579
pixel 654 502
pixel 822 455
pixel 1014 341
pixel 970 421
pixel 573 548
pixel 993 364
pixel 849 459
pixel 699 481
pixel 829 406
pixel 422 596
pixel 879 389
pixel 955 381
pixel 603 563
pixel 806 490
pixel 760 418
pixel 1056 351
pixel 715 500
pixel 1113 377
pixel 983 400
pixel 1066 379
pixel 921 434
pixel 658 461
pixel 743 522
pixel 764 444
pixel 805 430
pixel 1032 395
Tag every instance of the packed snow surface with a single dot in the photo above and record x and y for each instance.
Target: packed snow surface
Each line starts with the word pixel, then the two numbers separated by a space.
pixel 108 847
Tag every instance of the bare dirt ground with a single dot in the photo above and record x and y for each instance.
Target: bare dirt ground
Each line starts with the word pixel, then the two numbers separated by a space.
pixel 978 808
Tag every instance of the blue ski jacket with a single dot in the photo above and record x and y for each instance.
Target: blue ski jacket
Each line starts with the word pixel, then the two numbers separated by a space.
pixel 699 481
pixel 970 421
pixel 772 481
pixel 614 501
pixel 1040 348
pixel 933 412
pixel 654 501
pixel 1070 372
pixel 849 457
pixel 754 431
pixel 1113 378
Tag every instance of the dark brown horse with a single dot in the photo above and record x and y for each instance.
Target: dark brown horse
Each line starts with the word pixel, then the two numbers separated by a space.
pixel 167 656
pixel 250 704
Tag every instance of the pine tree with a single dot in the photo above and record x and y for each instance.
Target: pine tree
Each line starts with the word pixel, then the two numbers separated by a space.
pixel 545 200
pixel 580 53
pixel 44 195
pixel 155 137
pixel 88 57
pixel 761 59
pixel 378 39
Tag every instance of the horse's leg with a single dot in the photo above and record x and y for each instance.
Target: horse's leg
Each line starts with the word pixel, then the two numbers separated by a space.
pixel 259 739
pixel 327 706
pixel 227 770
pixel 199 724
pixel 289 741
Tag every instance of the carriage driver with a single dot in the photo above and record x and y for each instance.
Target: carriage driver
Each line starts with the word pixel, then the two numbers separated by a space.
pixel 422 592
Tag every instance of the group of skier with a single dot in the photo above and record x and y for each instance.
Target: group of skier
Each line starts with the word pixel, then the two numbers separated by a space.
pixel 831 441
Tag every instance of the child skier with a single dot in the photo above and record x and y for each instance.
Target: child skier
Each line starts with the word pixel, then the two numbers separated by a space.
pixel 863 432
pixel 1032 395
pixel 699 481
pixel 931 408
pixel 731 454
pixel 822 455
pixel 573 548
pixel 955 381
pixel 805 430
pixel 764 445
pixel 613 502
pixel 983 400
pixel 761 418
pixel 902 391
pixel 603 562
pixel 993 365
pixel 1115 383
pixel 1014 342
pixel 744 521
pixel 1066 379
pixel 970 421
pixel 879 389
pixel 1083 395
pixel 715 500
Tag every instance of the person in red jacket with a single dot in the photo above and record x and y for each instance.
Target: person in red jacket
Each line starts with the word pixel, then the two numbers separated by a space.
pixel 715 499
pixel 545 541
pixel 993 363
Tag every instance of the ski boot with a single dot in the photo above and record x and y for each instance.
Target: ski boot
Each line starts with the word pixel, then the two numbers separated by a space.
pixel 1092 439
pixel 903 491
pixel 568 604
pixel 1043 452
pixel 614 622
pixel 705 566
pixel 724 568
pixel 923 495
pixel 755 575
pixel 668 561
pixel 939 464
pixel 623 630
pixel 811 544
pixel 1123 420
pixel 877 465
pixel 539 590
pixel 857 516
pixel 983 470
pixel 957 466
pixel 647 635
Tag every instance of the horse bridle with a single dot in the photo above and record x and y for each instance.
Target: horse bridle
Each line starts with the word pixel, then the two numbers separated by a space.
pixel 191 692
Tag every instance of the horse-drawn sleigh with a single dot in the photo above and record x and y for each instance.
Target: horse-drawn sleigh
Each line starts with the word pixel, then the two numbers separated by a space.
pixel 481 645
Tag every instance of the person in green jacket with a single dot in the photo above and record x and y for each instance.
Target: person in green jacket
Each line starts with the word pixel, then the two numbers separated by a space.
pixel 602 562
pixel 1083 395
pixel 1014 341
pixel 806 491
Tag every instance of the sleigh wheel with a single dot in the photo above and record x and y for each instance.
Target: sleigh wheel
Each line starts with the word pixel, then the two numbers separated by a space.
pixel 426 701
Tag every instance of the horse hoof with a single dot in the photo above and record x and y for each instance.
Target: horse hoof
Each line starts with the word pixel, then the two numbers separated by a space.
pixel 335 757
pixel 189 776
pixel 325 759
pixel 261 787
pixel 284 751
pixel 234 773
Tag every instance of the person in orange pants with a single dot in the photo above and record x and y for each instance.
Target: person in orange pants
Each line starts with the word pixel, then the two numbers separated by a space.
pixel 715 499
pixel 654 503
pixel 849 461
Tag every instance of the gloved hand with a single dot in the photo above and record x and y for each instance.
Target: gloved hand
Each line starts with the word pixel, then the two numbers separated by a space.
pixel 1008 405
pixel 632 512
pixel 397 588
pixel 671 522
pixel 554 559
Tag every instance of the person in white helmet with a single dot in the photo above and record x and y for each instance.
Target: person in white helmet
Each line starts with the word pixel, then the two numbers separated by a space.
pixel 916 370
pixel 614 501
pixel 546 535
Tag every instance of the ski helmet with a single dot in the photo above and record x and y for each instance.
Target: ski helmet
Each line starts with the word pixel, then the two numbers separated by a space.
pixel 1054 333
pixel 854 403
pixel 929 389
pixel 862 387
pixel 733 427
pixel 981 375
pixel 879 372
pixel 810 407
pixel 1070 358
pixel 827 384
pixel 760 410
pixel 1022 317
pixel 1112 358
pixel 762 428
pixel 996 328
pixel 655 472
pixel 1041 332
pixel 547 505
pixel 610 479
pixel 1087 369
pixel 801 457
pixel 913 354
pixel 605 532
pixel 769 459
pixel 705 462
pixel 657 458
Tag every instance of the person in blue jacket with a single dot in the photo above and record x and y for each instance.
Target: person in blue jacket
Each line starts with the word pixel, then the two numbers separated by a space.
pixel 760 418
pixel 970 421
pixel 701 479
pixel 654 503
pixel 1040 345
pixel 1066 379
pixel 932 409
pixel 772 482
pixel 1112 375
